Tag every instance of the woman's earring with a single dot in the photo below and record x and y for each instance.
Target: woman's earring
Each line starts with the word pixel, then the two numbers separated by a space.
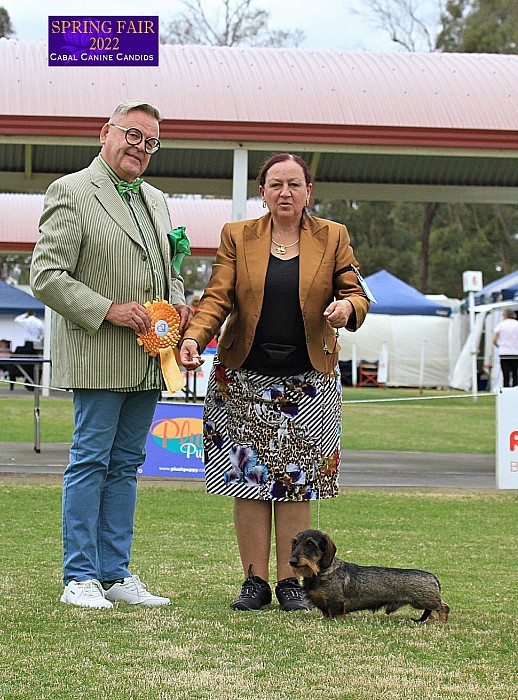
pixel 307 202
pixel 264 203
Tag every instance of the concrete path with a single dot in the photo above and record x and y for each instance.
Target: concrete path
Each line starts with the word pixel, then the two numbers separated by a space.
pixel 19 462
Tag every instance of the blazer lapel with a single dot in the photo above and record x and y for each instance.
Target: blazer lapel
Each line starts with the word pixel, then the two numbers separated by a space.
pixel 160 217
pixel 112 202
pixel 313 243
pixel 257 243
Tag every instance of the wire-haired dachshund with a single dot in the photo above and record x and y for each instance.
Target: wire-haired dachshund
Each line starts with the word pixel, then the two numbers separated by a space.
pixel 337 587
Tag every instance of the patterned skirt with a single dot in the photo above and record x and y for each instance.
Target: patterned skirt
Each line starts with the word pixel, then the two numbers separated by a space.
pixel 272 438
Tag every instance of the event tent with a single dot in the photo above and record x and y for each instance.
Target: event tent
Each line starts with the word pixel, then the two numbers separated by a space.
pixel 416 333
pixel 499 290
pixel 489 304
pixel 14 301
pixel 396 297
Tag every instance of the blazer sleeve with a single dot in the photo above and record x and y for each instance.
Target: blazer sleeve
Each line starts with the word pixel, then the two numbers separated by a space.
pixel 55 260
pixel 346 283
pixel 218 298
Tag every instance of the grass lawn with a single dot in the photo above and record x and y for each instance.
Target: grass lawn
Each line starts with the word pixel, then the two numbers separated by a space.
pixel 199 649
pixel 373 419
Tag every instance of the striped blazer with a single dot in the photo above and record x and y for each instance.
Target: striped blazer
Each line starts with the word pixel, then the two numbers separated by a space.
pixel 88 256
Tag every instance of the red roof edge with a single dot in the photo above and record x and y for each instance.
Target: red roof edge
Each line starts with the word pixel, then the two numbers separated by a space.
pixel 266 132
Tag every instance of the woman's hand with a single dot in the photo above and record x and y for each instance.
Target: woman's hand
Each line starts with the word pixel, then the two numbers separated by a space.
pixel 338 313
pixel 190 355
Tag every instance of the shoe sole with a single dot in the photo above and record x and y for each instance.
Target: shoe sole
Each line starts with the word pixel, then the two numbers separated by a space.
pixel 243 608
pixel 82 605
pixel 138 602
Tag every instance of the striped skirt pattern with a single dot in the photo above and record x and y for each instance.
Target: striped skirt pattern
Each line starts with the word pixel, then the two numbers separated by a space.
pixel 272 438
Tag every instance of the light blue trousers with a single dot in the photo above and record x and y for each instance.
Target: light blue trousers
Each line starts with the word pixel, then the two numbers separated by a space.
pixel 100 482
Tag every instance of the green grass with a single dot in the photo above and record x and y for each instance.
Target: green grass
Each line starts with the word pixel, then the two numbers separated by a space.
pixel 199 649
pixel 402 420
pixel 414 424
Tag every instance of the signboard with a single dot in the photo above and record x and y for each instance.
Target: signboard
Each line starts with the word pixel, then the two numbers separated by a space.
pixel 507 438
pixel 471 281
pixel 103 41
pixel 174 446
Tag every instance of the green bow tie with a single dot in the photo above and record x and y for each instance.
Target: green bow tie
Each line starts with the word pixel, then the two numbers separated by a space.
pixel 180 247
pixel 123 187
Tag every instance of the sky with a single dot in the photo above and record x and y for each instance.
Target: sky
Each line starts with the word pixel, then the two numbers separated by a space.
pixel 328 24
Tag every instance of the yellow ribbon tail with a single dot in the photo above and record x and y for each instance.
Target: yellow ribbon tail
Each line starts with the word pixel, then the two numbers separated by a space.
pixel 170 370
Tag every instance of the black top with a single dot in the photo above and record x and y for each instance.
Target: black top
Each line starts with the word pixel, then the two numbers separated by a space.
pixel 280 324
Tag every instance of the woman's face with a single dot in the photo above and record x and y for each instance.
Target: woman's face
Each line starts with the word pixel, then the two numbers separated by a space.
pixel 285 191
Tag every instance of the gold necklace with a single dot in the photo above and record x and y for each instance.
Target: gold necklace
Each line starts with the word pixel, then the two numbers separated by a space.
pixel 281 249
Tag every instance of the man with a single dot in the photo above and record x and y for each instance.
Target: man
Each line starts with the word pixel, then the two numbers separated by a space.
pixel 33 332
pixel 102 253
pixel 506 340
pixel 33 328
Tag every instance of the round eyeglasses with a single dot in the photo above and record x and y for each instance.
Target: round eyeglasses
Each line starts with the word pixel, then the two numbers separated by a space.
pixel 134 136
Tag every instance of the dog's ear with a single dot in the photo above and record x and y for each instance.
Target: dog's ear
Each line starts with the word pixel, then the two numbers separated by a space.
pixel 329 548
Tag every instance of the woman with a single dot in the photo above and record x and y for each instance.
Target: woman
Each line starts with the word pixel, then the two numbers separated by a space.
pixel 273 408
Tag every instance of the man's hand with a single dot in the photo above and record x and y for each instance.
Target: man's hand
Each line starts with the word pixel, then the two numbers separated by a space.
pixel 131 315
pixel 185 313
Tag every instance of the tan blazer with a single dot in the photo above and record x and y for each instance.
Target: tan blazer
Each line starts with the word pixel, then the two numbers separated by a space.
pixel 88 256
pixel 236 288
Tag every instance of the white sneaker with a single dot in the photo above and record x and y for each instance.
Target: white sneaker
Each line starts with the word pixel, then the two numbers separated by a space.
pixel 134 592
pixel 86 594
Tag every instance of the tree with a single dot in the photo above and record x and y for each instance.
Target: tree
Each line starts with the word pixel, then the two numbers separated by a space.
pixel 406 22
pixel 6 28
pixel 236 22
pixel 479 26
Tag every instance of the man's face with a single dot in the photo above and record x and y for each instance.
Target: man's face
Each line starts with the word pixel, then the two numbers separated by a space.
pixel 127 161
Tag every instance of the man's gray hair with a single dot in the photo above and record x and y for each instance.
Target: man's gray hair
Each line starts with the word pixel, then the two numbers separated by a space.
pixel 124 107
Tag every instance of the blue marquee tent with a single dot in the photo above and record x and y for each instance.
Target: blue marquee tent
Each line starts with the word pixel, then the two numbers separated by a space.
pixel 14 301
pixel 502 289
pixel 397 298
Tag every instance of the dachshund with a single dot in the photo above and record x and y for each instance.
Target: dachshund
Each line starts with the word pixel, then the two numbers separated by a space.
pixel 338 587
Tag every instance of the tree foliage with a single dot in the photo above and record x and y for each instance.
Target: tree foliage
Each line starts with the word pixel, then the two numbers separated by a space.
pixel 479 26
pixel 388 235
pixel 233 23
pixel 6 27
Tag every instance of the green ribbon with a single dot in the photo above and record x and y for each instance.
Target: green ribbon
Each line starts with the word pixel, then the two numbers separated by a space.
pixel 123 187
pixel 180 247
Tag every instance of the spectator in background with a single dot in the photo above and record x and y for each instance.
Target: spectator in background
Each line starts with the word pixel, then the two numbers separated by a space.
pixel 506 340
pixel 34 330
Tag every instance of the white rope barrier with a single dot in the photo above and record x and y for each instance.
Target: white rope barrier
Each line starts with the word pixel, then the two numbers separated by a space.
pixel 416 398
pixel 344 401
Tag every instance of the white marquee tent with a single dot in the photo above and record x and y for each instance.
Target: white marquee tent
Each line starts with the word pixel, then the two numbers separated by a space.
pixel 418 335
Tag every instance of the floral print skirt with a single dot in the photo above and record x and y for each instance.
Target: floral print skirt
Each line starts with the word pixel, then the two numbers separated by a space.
pixel 272 438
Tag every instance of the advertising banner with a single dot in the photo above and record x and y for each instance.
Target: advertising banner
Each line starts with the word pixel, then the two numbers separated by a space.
pixel 507 438
pixel 174 447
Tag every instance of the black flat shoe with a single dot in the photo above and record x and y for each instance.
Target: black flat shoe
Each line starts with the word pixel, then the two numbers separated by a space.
pixel 290 595
pixel 255 593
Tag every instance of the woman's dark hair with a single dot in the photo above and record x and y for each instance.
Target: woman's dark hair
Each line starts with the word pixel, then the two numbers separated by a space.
pixel 280 158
